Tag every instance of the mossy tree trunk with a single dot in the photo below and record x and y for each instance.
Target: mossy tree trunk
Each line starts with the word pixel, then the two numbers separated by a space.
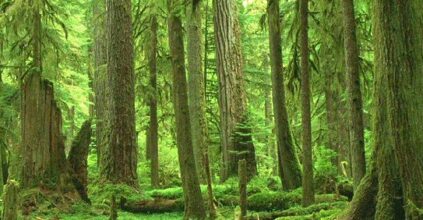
pixel 101 90
pixel 120 157
pixel 399 56
pixel 153 128
pixel 196 87
pixel 197 99
pixel 194 205
pixel 42 147
pixel 11 201
pixel 307 182
pixel 289 168
pixel 358 160
pixel 235 132
pixel 78 160
pixel 398 85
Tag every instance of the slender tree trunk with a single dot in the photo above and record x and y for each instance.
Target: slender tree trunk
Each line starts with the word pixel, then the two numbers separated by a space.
pixel 121 155
pixel 354 93
pixel 289 168
pixel 196 87
pixel 308 188
pixel 197 100
pixel 153 138
pixel 236 138
pixel 11 201
pixel 101 90
pixel 194 206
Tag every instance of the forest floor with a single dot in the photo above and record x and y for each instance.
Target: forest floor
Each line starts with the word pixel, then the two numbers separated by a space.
pixel 266 200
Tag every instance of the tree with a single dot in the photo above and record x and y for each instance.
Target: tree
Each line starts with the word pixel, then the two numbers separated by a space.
pixel 391 190
pixel 289 170
pixel 121 155
pixel 153 136
pixel 100 86
pixel 194 205
pixel 196 87
pixel 236 139
pixel 43 153
pixel 197 99
pixel 308 188
pixel 354 93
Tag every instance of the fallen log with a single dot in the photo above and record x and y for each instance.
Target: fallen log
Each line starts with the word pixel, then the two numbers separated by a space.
pixel 156 205
pixel 297 211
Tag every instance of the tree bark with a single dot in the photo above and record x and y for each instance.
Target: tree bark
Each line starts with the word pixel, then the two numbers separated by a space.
pixel 194 206
pixel 398 56
pixel 307 182
pixel 398 81
pixel 101 89
pixel 358 161
pixel 196 87
pixel 78 160
pixel 289 168
pixel 232 95
pixel 153 137
pixel 121 155
pixel 242 174
pixel 11 201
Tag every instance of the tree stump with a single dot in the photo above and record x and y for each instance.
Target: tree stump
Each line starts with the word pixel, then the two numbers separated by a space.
pixel 78 160
pixel 11 200
pixel 243 178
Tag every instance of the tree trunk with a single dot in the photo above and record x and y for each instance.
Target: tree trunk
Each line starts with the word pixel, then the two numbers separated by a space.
pixel 101 89
pixel 358 161
pixel 289 168
pixel 78 160
pixel 153 136
pixel 42 146
pixel 11 201
pixel 194 206
pixel 398 56
pixel 121 155
pixel 398 83
pixel 242 174
pixel 196 87
pixel 236 138
pixel 308 188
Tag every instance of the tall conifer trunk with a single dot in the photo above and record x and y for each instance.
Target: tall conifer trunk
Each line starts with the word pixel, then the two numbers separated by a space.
pixel 121 155
pixel 153 138
pixel 308 187
pixel 289 170
pixel 236 138
pixel 194 205
pixel 358 160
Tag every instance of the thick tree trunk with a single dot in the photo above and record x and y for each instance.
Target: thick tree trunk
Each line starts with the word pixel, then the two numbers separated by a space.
pixel 232 95
pixel 398 54
pixel 153 136
pixel 194 206
pixel 308 188
pixel 121 155
pixel 398 83
pixel 289 168
pixel 78 160
pixel 358 161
